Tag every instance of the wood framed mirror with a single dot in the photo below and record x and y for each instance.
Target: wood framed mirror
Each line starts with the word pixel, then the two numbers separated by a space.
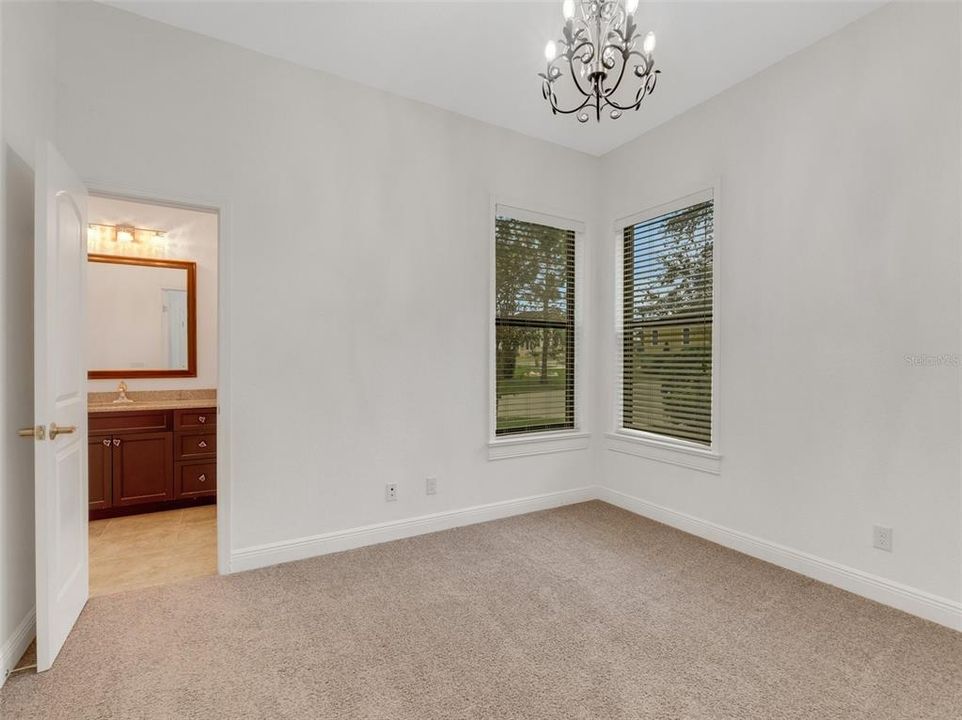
pixel 141 317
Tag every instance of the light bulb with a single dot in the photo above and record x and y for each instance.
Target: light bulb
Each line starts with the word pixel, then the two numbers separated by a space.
pixel 568 9
pixel 125 236
pixel 160 237
pixel 631 6
pixel 649 44
pixel 550 51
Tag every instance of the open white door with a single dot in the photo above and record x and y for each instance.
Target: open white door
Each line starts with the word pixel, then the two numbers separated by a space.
pixel 60 401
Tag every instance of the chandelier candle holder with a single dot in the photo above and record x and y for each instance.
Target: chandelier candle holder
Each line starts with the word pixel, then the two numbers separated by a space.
pixel 598 50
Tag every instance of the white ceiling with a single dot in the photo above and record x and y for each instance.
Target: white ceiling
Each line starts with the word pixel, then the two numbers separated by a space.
pixel 481 59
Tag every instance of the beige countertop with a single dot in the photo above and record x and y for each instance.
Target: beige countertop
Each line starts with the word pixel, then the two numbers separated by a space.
pixel 153 405
pixel 103 402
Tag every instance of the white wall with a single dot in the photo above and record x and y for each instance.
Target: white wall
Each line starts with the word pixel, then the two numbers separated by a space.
pixel 28 66
pixel 191 235
pixel 838 242
pixel 359 244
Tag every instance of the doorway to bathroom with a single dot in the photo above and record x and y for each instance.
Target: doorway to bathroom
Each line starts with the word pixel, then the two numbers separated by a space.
pixel 152 359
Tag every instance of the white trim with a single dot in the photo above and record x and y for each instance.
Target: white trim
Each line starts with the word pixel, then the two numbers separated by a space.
pixel 656 447
pixel 569 439
pixel 516 212
pixel 941 610
pixel 704 193
pixel 652 447
pixel 537 444
pixel 222 206
pixel 16 645
pixel 340 540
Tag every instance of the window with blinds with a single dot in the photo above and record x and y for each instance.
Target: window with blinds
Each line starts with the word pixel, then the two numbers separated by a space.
pixel 534 327
pixel 667 324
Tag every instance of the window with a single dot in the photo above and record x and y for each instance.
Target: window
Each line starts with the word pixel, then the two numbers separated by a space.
pixel 667 294
pixel 534 326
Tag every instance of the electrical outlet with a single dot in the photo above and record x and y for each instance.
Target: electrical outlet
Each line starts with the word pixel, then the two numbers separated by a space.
pixel 390 492
pixel 431 486
pixel 882 538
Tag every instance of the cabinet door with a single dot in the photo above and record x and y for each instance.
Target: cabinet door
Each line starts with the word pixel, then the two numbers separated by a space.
pixel 142 468
pixel 98 464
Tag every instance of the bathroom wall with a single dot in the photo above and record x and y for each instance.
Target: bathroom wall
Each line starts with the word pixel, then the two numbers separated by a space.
pixel 191 235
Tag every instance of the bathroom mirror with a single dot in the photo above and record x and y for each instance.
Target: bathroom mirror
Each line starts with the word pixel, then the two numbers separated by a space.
pixel 141 317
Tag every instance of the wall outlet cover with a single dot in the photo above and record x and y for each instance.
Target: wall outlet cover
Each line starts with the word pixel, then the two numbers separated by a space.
pixel 431 486
pixel 882 538
pixel 390 492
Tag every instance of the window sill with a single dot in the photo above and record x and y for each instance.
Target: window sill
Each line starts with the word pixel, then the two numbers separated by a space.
pixel 664 451
pixel 537 444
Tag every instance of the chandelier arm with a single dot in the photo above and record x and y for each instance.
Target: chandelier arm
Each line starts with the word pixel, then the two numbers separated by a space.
pixel 605 91
pixel 577 49
pixel 643 92
pixel 557 108
pixel 574 79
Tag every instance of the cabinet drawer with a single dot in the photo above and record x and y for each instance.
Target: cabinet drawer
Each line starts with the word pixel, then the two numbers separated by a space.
pixel 189 446
pixel 196 479
pixel 195 419
pixel 129 422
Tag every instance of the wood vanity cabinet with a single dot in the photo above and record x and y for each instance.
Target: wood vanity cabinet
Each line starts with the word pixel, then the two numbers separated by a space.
pixel 145 461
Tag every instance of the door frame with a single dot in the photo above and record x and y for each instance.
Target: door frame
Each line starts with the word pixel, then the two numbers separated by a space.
pixel 222 207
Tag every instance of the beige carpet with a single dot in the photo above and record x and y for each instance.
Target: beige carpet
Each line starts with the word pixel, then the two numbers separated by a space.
pixel 581 612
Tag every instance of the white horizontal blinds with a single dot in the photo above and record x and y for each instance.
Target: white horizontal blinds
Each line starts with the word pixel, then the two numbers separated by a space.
pixel 667 317
pixel 534 326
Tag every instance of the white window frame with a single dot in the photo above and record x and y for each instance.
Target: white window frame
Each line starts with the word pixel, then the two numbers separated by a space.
pixel 501 447
pixel 652 446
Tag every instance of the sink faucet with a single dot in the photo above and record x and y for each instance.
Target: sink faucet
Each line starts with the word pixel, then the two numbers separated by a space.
pixel 122 393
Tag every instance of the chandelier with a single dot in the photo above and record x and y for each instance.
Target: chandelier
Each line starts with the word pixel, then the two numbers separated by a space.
pixel 598 50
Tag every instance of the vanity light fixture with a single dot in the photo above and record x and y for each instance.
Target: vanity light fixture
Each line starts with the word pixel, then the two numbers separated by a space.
pixel 98 233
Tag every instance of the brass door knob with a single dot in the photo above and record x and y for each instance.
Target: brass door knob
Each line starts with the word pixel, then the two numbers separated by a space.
pixel 56 430
pixel 37 432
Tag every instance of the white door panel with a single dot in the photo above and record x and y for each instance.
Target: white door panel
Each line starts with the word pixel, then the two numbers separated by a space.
pixel 60 401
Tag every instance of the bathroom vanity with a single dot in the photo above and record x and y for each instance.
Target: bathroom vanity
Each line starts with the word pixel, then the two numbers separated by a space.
pixel 149 450
pixel 151 456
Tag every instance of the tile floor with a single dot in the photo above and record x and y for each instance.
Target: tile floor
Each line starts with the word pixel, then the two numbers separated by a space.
pixel 138 551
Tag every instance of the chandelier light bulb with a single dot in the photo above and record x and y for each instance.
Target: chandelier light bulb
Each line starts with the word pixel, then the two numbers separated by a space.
pixel 649 44
pixel 631 6
pixel 568 8
pixel 550 51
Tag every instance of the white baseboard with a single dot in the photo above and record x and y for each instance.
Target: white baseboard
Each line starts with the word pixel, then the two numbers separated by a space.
pixel 273 553
pixel 908 599
pixel 16 645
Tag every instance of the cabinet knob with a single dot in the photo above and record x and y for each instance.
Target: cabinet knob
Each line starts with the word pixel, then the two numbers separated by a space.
pixel 106 442
pixel 203 478
pixel 202 443
pixel 116 442
pixel 201 419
